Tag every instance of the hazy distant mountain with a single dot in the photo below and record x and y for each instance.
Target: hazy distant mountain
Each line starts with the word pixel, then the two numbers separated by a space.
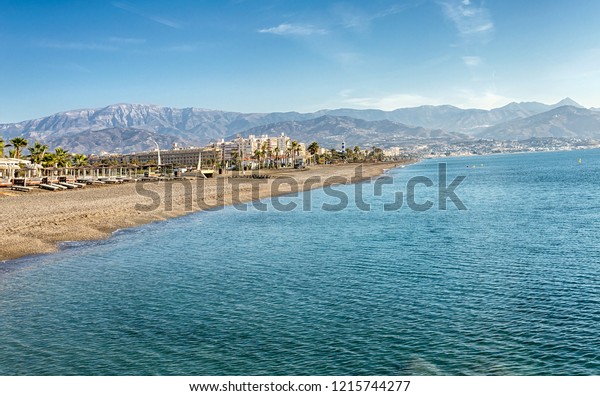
pixel 564 122
pixel 330 131
pixel 567 102
pixel 450 118
pixel 187 123
pixel 113 140
pixel 78 130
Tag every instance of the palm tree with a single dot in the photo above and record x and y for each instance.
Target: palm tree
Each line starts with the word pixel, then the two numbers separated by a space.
pixel 18 143
pixel 295 150
pixel 63 158
pixel 349 154
pixel 2 146
pixel 79 160
pixel 37 152
pixel 49 160
pixel 263 152
pixel 288 152
pixel 270 157
pixel 276 157
pixel 257 155
pixel 298 147
pixel 357 152
pixel 313 148
pixel 335 155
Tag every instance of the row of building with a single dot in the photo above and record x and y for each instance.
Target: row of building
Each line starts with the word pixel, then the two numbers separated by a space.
pixel 280 151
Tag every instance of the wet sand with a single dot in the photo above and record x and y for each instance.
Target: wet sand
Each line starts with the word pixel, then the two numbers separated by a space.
pixel 36 222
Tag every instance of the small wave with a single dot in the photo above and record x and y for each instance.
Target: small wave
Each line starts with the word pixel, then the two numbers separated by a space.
pixel 420 366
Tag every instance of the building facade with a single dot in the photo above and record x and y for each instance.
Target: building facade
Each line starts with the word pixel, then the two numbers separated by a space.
pixel 248 152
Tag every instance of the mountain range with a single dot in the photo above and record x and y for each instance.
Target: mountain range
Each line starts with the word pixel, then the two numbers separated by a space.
pixel 132 127
pixel 330 131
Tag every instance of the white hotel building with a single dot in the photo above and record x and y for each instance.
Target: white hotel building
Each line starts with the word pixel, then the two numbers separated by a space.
pixel 226 153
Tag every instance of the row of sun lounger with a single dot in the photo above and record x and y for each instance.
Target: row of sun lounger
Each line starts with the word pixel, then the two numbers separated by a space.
pixel 56 185
pixel 21 188
pixel 61 186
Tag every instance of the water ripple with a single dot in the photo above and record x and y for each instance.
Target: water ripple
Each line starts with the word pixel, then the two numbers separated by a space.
pixel 509 287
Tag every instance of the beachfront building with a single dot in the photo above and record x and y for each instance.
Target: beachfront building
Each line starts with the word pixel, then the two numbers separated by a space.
pixel 239 152
pixel 275 151
pixel 178 157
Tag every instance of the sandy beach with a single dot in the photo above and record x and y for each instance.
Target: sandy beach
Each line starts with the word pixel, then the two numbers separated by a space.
pixel 38 221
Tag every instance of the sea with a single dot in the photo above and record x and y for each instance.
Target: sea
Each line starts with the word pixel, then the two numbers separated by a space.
pixel 508 283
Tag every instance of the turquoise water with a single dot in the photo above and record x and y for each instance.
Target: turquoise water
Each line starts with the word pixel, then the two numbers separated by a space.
pixel 510 286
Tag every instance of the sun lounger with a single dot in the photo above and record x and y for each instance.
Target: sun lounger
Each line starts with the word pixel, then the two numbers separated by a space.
pixel 49 187
pixel 68 185
pixel 21 188
pixel 59 186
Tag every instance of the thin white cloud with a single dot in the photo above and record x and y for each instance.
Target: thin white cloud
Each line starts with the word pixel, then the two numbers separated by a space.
pixel 288 29
pixel 70 67
pixel 127 40
pixel 472 61
pixel 351 17
pixel 156 18
pixel 471 21
pixel 347 58
pixel 61 45
pixel 487 99
pixel 182 48
pixel 387 102
pixel 460 97
pixel 167 22
pixel 124 6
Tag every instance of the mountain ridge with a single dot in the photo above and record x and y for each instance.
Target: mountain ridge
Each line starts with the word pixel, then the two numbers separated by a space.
pixel 561 122
pixel 331 131
pixel 195 126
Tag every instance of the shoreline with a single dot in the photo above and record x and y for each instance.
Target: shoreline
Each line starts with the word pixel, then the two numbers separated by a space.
pixel 39 222
pixel 511 153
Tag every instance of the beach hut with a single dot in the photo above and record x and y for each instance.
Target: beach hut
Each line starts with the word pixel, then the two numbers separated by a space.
pixel 7 168
pixel 33 169
pixel 10 166
pixel 51 174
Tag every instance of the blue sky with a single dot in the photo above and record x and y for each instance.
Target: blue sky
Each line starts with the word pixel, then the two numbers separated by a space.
pixel 283 55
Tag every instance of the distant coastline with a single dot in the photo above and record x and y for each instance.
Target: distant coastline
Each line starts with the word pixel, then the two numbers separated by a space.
pixel 590 148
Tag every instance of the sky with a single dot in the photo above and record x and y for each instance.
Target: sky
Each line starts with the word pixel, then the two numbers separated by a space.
pixel 287 55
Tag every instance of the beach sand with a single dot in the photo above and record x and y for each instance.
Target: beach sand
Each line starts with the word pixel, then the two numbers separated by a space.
pixel 36 222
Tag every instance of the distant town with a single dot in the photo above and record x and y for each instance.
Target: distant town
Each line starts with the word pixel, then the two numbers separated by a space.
pixel 433 148
pixel 256 152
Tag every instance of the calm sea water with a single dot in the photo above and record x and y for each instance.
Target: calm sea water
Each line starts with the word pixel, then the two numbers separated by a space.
pixel 510 286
